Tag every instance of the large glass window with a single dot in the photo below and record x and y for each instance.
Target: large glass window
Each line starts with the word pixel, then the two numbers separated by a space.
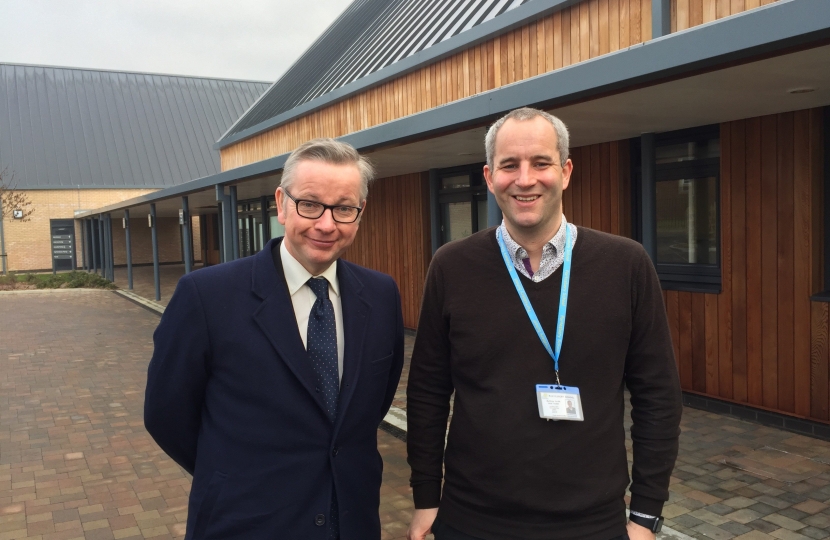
pixel 462 198
pixel 684 213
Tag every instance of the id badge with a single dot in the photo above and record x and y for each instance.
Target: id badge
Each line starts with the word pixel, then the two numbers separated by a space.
pixel 559 402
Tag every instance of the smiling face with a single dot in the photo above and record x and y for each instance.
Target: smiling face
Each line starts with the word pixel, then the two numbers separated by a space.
pixel 317 243
pixel 527 179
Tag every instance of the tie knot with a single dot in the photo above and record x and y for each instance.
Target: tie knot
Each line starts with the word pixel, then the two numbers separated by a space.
pixel 320 287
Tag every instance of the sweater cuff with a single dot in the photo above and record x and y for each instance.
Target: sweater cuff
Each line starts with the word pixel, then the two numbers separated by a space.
pixel 427 495
pixel 645 505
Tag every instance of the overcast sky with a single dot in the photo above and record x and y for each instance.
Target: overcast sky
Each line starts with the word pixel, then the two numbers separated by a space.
pixel 240 39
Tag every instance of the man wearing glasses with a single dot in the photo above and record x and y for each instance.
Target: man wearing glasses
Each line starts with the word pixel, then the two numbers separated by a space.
pixel 271 373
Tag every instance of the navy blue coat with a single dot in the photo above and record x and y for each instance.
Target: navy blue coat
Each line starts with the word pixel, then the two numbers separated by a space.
pixel 231 398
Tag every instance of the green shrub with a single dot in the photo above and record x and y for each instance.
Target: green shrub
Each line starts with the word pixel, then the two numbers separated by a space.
pixel 74 280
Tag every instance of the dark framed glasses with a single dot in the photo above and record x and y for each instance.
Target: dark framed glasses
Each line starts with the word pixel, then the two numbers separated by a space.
pixel 313 210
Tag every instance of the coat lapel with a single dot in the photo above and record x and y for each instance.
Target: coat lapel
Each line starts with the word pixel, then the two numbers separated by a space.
pixel 355 321
pixel 275 317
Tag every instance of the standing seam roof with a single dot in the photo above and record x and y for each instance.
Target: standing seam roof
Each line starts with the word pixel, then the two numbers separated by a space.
pixel 369 36
pixel 67 127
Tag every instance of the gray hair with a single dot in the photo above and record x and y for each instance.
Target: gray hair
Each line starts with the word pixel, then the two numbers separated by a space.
pixel 522 115
pixel 332 152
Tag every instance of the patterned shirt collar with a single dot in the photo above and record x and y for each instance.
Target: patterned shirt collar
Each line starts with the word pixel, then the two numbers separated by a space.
pixel 553 252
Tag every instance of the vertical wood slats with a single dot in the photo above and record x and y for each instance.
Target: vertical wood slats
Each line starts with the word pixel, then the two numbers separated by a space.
pixel 575 34
pixel 599 193
pixel 688 13
pixel 765 343
pixel 394 236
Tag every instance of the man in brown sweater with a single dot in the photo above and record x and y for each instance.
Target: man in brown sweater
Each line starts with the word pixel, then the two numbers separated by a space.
pixel 521 462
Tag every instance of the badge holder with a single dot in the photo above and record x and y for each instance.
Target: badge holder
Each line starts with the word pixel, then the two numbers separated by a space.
pixel 557 402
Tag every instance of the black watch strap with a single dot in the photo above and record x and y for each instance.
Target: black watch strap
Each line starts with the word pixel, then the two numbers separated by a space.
pixel 652 524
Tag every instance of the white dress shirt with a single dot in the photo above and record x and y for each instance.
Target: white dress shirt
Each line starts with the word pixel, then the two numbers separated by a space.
pixel 303 298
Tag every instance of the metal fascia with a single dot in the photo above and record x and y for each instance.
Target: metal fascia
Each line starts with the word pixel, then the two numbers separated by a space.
pixel 487 30
pixel 775 27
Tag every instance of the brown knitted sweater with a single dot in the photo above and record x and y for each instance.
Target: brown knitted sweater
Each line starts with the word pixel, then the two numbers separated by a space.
pixel 509 473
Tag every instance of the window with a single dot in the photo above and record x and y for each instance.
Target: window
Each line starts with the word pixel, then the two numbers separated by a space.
pixel 462 201
pixel 679 197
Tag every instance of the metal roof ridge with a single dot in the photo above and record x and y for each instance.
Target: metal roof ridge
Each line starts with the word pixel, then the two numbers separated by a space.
pixel 468 38
pixel 126 72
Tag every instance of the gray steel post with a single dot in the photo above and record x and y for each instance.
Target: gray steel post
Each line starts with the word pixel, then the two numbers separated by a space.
pixel 434 221
pixel 188 251
pixel 105 257
pixel 101 253
pixel 2 240
pixel 83 244
pixel 660 18
pixel 493 210
pixel 227 219
pixel 220 232
pixel 129 249
pixel 234 222
pixel 648 202
pixel 110 249
pixel 92 243
pixel 108 240
pixel 266 220
pixel 156 276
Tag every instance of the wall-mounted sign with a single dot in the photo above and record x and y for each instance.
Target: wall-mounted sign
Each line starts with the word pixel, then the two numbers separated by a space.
pixel 17 214
pixel 123 223
pixel 150 220
pixel 181 216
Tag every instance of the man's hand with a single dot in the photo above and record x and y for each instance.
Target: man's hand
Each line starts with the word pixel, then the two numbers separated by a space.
pixel 636 532
pixel 421 525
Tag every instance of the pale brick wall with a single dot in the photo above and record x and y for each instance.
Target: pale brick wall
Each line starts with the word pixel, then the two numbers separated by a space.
pixel 28 244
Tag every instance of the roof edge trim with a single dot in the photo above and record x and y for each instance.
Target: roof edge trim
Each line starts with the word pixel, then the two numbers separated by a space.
pixel 469 38
pixel 766 30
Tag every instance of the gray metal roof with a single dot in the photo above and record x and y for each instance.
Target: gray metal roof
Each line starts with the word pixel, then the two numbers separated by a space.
pixel 65 127
pixel 370 35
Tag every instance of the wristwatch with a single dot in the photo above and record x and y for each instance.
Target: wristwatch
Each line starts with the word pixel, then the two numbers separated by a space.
pixel 654 524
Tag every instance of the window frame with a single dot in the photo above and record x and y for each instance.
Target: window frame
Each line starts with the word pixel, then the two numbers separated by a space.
pixel 473 194
pixel 691 277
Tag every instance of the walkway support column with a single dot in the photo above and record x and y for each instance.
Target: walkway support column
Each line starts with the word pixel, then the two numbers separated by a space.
pixel 234 222
pixel 493 210
pixel 188 251
pixel 92 245
pixel 101 253
pixel 129 249
pixel 660 18
pixel 83 245
pixel 648 195
pixel 435 224
pixel 108 240
pixel 266 220
pixel 154 227
pixel 227 219
pixel 2 241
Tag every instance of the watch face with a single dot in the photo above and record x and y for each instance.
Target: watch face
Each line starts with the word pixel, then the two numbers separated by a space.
pixel 658 525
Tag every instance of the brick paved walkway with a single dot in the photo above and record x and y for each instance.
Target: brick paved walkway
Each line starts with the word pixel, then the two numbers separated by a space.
pixel 76 462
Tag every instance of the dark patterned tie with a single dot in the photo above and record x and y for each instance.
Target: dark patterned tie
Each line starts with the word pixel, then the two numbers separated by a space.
pixel 321 345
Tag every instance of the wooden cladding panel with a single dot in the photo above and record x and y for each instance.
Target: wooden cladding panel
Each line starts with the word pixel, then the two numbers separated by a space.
pixel 761 341
pixel 394 237
pixel 599 193
pixel 688 13
pixel 575 34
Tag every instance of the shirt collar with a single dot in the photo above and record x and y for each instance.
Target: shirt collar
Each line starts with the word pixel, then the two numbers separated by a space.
pixel 557 243
pixel 296 275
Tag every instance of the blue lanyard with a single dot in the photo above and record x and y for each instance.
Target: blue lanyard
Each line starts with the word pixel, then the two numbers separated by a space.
pixel 563 297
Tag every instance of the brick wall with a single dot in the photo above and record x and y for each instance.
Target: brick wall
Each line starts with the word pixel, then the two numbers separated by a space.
pixel 28 244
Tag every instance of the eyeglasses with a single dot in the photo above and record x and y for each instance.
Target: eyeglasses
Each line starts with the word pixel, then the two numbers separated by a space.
pixel 313 210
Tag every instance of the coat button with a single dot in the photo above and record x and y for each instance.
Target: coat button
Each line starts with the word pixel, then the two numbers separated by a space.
pixel 320 520
pixel 334 452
